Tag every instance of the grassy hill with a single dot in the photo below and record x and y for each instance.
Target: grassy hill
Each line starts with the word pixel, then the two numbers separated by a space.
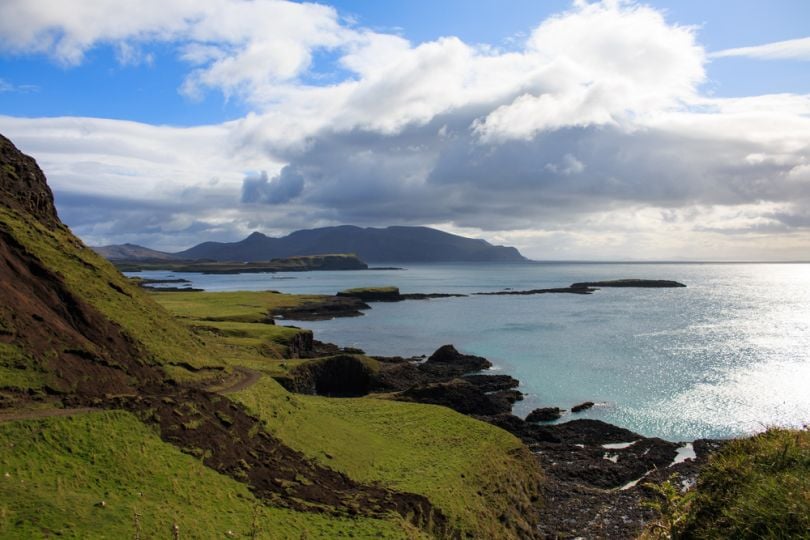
pixel 152 439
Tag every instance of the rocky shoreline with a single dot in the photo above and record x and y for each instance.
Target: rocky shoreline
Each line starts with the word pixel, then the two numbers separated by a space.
pixel 596 472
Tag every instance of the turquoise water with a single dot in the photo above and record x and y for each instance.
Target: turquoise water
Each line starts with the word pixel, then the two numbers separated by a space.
pixel 726 356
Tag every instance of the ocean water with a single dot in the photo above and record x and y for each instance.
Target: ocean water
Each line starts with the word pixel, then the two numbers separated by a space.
pixel 727 356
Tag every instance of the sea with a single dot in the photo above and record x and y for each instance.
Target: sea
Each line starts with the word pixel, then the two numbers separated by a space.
pixel 728 355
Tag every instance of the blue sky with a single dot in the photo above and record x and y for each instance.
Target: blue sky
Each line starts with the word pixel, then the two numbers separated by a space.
pixel 148 93
pixel 150 119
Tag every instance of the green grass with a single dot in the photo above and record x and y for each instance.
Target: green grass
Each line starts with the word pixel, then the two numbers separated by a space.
pixel 18 370
pixel 471 470
pixel 362 290
pixel 757 487
pixel 240 306
pixel 96 281
pixel 234 324
pixel 55 472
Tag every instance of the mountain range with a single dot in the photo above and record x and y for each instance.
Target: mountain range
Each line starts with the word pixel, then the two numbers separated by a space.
pixel 390 244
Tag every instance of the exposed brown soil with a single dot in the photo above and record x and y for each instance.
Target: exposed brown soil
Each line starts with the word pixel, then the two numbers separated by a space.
pixel 232 442
pixel 245 379
pixel 23 186
pixel 36 414
pixel 79 349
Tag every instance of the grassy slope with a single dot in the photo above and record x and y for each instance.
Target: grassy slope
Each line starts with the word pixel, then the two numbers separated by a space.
pixel 54 472
pixel 424 449
pixel 235 323
pixel 464 466
pixel 240 306
pixel 757 487
pixel 96 281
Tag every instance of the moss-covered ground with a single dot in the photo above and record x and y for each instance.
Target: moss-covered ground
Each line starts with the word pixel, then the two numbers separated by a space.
pixel 757 487
pixel 88 276
pixel 473 471
pixel 235 325
pixel 107 475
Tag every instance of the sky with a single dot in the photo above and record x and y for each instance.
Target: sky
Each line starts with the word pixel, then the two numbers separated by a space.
pixel 611 130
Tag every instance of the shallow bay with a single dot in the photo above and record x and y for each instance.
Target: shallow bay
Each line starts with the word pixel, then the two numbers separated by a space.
pixel 726 356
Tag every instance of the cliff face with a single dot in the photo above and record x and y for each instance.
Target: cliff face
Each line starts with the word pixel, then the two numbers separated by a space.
pixel 50 337
pixel 23 186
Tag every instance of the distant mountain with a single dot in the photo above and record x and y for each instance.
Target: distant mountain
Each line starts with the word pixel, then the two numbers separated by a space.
pixel 132 252
pixel 391 244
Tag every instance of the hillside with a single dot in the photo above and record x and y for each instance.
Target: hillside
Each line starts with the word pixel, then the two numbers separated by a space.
pixel 131 252
pixel 112 424
pixel 390 245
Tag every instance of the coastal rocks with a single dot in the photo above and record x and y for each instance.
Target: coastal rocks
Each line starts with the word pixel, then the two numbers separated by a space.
pixel 592 432
pixel 527 432
pixel 640 283
pixel 390 294
pixel 301 345
pixel 338 376
pixel 590 287
pixel 458 395
pixel 325 308
pixel 544 414
pixel 582 407
pixel 397 374
pixel 571 290
pixel 448 362
pixel 493 383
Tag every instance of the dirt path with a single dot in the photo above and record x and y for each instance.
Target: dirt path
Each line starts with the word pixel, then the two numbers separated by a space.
pixel 36 414
pixel 247 378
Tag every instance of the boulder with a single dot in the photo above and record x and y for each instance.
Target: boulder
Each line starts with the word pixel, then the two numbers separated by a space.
pixel 544 414
pixel 448 362
pixel 582 407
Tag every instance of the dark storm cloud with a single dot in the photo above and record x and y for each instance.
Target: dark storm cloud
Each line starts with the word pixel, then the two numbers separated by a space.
pixel 442 172
pixel 283 188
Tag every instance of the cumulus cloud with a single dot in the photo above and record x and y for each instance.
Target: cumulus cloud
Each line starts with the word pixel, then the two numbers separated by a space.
pixel 591 139
pixel 233 45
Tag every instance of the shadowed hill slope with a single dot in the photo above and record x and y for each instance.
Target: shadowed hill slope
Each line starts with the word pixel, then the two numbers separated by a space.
pixel 391 244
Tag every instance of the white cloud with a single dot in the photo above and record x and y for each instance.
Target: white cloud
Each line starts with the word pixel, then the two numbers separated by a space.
pixel 6 86
pixel 250 43
pixel 590 140
pixel 602 63
pixel 791 49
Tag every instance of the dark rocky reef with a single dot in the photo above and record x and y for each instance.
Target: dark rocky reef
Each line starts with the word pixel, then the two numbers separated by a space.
pixel 545 414
pixel 327 307
pixel 589 287
pixel 563 290
pixel 639 283
pixel 390 294
pixel 582 407
pixel 458 395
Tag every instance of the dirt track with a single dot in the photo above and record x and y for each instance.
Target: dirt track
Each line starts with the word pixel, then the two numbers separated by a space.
pixel 8 416
pixel 247 378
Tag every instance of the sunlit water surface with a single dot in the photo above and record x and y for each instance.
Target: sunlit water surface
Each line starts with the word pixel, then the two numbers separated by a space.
pixel 726 356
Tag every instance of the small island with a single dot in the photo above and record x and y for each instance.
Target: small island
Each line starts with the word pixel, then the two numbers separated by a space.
pixel 337 261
